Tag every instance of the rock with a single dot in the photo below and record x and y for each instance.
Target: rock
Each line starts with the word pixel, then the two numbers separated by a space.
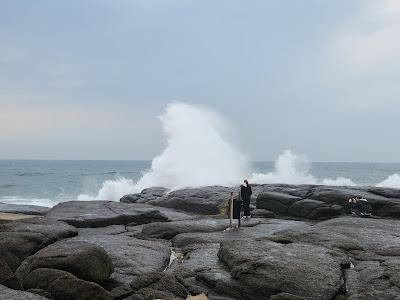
pixel 313 209
pixel 22 238
pixel 86 261
pixel 106 213
pixel 131 257
pixel 206 200
pixel 157 285
pixel 385 192
pixel 10 294
pixel 7 276
pixel 262 213
pixel 300 201
pixel 145 196
pixel 109 230
pixel 130 198
pixel 23 209
pixel 266 229
pixel 170 229
pixel 283 268
pixel 62 285
pixel 276 202
pixel 8 217
pixel 372 280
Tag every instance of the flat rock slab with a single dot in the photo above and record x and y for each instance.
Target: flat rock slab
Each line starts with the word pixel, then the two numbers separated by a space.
pixel 105 213
pixel 9 294
pixel 357 235
pixel 131 257
pixel 8 217
pixel 23 209
pixel 266 268
pixel 264 230
pixel 170 229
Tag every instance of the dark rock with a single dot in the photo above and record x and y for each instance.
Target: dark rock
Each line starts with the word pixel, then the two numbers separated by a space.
pixel 131 257
pixel 373 280
pixel 86 261
pixel 385 192
pixel 206 200
pixel 158 285
pixel 106 213
pixel 283 268
pixel 7 276
pixel 40 292
pixel 170 229
pixel 22 238
pixel 23 209
pixel 145 196
pixel 109 230
pixel 262 213
pixel 276 202
pixel 268 228
pixel 313 209
pixel 62 285
pixel 130 198
pixel 10 294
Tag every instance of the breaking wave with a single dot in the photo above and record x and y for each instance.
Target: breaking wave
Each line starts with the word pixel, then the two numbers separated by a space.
pixel 393 181
pixel 295 169
pixel 199 152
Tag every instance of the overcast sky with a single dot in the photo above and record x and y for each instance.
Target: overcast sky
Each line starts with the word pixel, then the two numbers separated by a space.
pixel 87 79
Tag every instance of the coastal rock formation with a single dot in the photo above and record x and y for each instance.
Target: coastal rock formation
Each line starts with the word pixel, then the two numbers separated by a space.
pixel 23 209
pixel 207 200
pixel 10 294
pixel 22 238
pixel 170 229
pixel 130 256
pixel 265 268
pixel 311 248
pixel 319 202
pixel 84 260
pixel 62 285
pixel 145 196
pixel 105 213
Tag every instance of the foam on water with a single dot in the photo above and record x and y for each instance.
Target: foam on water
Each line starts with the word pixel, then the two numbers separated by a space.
pixel 198 153
pixel 295 169
pixel 393 181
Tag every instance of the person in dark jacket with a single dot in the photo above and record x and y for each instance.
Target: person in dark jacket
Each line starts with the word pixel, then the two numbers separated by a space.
pixel 245 194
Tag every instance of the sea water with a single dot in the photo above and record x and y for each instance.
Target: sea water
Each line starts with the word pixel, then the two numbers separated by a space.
pixel 48 182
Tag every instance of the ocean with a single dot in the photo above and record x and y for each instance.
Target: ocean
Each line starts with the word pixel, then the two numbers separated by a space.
pixel 48 182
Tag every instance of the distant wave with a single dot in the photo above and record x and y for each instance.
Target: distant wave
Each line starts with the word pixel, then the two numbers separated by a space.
pixel 29 201
pixel 392 181
pixel 34 174
pixel 199 153
pixel 7 186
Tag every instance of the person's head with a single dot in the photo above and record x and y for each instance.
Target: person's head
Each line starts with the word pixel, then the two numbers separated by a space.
pixel 246 182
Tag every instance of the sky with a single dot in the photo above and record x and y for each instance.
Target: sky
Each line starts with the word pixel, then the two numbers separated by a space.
pixel 86 79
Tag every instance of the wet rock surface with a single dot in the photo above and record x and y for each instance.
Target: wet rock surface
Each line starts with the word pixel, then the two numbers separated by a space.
pixel 105 213
pixel 321 202
pixel 206 201
pixel 169 245
pixel 10 294
pixel 23 209
pixel 130 256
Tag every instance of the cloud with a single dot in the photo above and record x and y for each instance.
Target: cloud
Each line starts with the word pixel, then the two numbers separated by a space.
pixel 37 127
pixel 363 55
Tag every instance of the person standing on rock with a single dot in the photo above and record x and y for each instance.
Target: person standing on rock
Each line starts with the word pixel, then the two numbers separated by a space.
pixel 245 194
